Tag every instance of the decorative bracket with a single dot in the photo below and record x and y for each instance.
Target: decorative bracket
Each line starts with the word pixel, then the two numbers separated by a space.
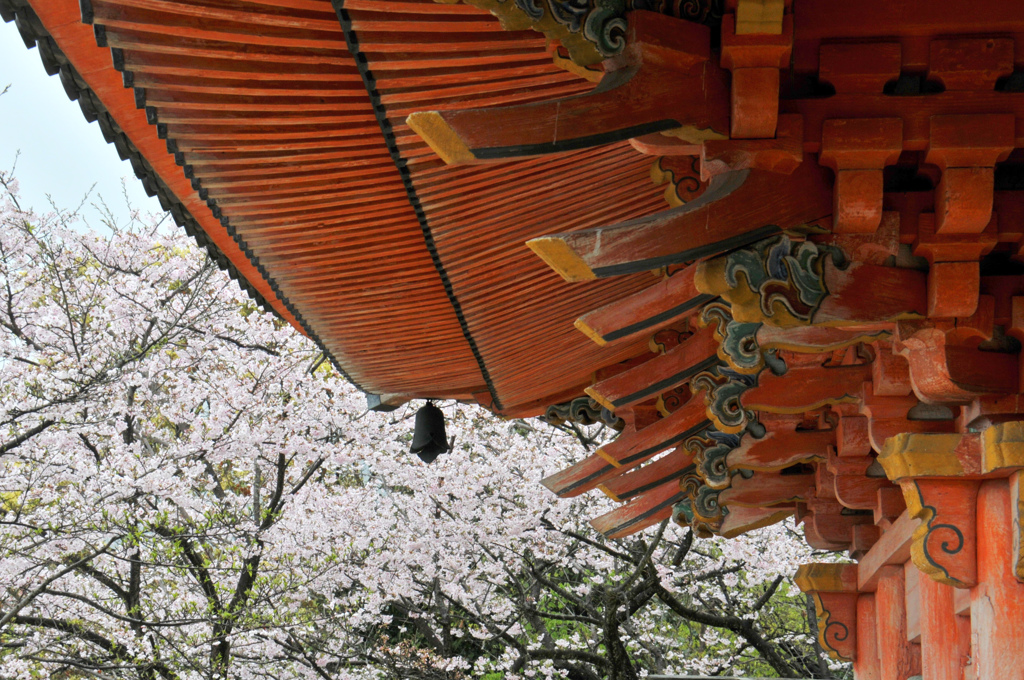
pixel 834 589
pixel 940 475
pixel 647 89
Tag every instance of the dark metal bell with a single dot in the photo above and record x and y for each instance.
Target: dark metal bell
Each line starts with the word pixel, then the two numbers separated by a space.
pixel 429 439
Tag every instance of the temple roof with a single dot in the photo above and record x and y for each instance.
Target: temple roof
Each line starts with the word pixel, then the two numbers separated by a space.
pixel 276 132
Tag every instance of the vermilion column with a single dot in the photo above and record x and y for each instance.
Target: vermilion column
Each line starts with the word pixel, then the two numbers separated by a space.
pixel 865 666
pixel 898 658
pixel 997 602
pixel 940 651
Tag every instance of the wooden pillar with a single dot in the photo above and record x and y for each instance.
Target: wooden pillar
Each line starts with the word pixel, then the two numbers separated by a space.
pixel 865 666
pixel 940 652
pixel 997 602
pixel 898 658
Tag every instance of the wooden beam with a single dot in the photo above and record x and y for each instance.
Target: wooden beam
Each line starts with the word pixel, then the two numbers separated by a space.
pixel 737 209
pixel 806 388
pixel 893 548
pixel 660 374
pixel 635 447
pixel 672 299
pixel 673 465
pixel 643 511
pixel 664 80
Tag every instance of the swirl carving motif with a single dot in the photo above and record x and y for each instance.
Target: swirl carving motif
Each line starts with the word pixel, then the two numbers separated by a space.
pixel 710 456
pixel 737 341
pixel 787 277
pixel 945 545
pixel 592 30
pixel 700 509
pixel 583 411
pixel 723 389
pixel 835 632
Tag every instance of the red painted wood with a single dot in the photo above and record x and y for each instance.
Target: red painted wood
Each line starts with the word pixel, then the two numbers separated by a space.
pixel 643 511
pixel 997 602
pixel 658 375
pixel 940 647
pixel 764 489
pixel 632 448
pixel 763 199
pixel 867 293
pixel 654 80
pixel 806 387
pixel 670 300
pixel 629 484
pixel 783 153
pixel 781 447
pixel 580 477
pixel 866 664
pixel 898 659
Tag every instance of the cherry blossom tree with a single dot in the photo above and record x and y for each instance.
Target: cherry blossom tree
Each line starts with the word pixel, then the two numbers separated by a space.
pixel 189 491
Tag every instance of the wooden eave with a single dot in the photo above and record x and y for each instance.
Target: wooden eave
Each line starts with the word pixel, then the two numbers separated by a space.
pixel 278 130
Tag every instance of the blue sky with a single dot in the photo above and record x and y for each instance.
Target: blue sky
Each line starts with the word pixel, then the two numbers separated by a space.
pixel 61 155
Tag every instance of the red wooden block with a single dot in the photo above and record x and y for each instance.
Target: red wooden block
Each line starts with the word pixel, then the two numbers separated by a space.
pixel 971 63
pixel 966 148
pixel 940 644
pixel 866 665
pixel 765 489
pixel 953 289
pixel 754 100
pixel 859 68
pixel 782 154
pixel 858 149
pixel 781 447
pixel 944 372
pixel 805 388
pixel 997 602
pixel 897 658
pixel 861 143
pixel 936 247
pixel 755 60
pixel 852 438
pixel 890 506
pixel 890 373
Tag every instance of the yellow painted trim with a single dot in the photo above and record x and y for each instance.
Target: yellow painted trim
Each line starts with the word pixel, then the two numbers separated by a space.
pixel 782 343
pixel 769 408
pixel 921 455
pixel 829 577
pixel 608 458
pixel 695 135
pixel 560 257
pixel 569 65
pixel 440 136
pixel 1017 518
pixel 1002 446
pixel 582 327
pixel 599 398
pixel 759 17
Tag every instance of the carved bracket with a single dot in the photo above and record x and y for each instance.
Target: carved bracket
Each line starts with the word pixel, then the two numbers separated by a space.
pixel 834 589
pixel 945 544
pixel 940 475
pixel 777 280
pixel 591 30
